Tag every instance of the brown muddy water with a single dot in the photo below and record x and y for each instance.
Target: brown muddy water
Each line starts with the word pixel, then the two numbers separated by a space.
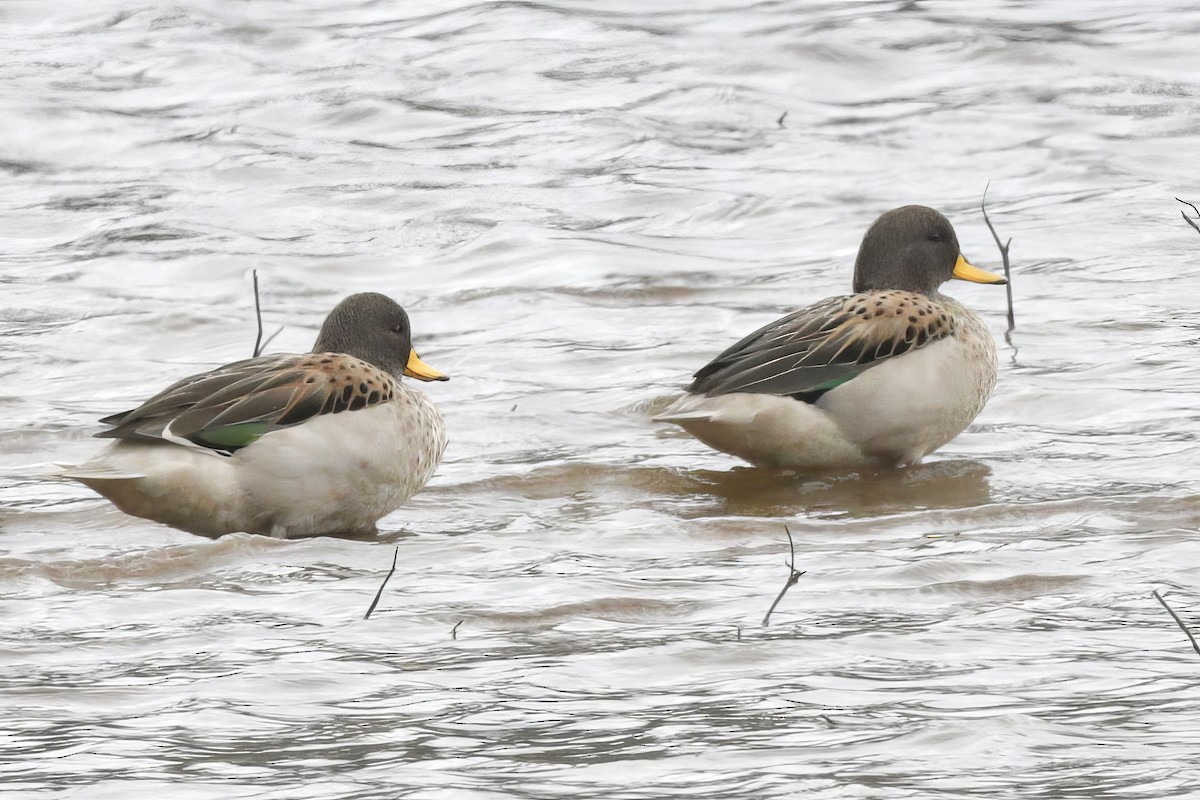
pixel 580 203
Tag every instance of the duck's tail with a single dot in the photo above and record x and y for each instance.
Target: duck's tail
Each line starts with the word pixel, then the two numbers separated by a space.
pixel 90 471
pixel 688 408
pixel 682 416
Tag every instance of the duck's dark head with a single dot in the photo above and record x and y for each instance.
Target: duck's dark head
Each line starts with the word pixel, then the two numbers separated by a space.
pixel 915 249
pixel 374 327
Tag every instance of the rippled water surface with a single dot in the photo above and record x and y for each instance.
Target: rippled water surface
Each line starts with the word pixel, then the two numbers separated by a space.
pixel 580 203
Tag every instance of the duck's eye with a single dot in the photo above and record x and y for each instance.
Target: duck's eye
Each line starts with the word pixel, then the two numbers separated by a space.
pixel 935 237
pixel 397 329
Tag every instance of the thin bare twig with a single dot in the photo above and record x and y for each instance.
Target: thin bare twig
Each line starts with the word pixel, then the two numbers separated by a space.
pixel 782 117
pixel 258 316
pixel 1003 255
pixel 270 339
pixel 386 578
pixel 793 576
pixel 1188 219
pixel 454 630
pixel 259 344
pixel 1178 621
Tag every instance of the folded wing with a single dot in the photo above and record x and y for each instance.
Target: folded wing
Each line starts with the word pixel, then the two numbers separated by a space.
pixel 232 406
pixel 818 348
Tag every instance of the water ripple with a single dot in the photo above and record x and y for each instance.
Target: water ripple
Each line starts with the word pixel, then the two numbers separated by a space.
pixel 580 204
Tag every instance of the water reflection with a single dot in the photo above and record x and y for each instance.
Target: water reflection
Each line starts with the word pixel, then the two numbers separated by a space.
pixel 748 491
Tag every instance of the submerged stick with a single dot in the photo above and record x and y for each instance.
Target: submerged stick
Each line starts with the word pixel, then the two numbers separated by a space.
pixel 1004 256
pixel 386 578
pixel 1178 621
pixel 1188 219
pixel 793 576
pixel 454 630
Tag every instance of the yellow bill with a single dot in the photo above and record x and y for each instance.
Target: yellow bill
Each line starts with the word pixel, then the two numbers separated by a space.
pixel 965 271
pixel 416 368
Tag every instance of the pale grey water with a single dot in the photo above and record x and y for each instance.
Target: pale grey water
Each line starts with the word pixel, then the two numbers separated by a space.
pixel 580 203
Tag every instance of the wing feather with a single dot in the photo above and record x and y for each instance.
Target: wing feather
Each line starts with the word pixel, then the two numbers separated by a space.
pixel 818 348
pixel 232 406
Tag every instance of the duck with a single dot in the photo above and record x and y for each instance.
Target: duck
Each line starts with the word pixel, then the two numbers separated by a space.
pixel 292 445
pixel 879 378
